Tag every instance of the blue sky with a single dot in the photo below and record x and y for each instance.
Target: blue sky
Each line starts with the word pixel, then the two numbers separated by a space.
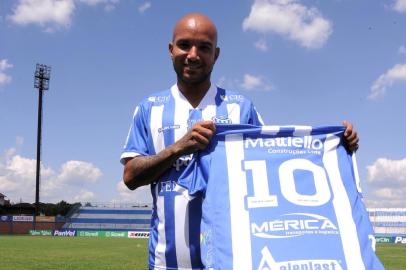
pixel 308 62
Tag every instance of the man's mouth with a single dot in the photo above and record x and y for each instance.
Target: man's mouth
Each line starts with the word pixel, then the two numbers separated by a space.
pixel 192 67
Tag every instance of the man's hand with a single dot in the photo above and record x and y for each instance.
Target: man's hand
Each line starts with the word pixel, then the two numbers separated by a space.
pixel 350 137
pixel 144 170
pixel 197 138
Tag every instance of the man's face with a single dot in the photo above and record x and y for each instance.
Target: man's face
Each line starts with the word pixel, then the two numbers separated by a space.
pixel 193 52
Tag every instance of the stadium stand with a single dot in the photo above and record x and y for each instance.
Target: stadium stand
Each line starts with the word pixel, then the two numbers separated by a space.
pixel 388 221
pixel 3 200
pixel 94 218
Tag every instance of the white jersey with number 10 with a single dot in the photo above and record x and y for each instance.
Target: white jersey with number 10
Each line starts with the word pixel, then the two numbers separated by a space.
pixel 280 198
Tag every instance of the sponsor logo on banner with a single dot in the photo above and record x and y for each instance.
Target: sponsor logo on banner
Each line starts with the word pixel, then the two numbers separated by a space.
pixel 381 239
pixel 88 233
pixel 400 240
pixel 40 232
pixel 45 219
pixel 267 262
pixel 4 218
pixel 69 233
pixel 23 218
pixel 116 234
pixel 294 225
pixel 132 234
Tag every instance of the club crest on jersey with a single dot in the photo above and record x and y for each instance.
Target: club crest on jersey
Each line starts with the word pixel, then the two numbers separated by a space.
pixel 294 225
pixel 221 120
pixel 232 98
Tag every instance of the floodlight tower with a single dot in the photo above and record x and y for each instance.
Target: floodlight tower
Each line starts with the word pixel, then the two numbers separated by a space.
pixel 42 76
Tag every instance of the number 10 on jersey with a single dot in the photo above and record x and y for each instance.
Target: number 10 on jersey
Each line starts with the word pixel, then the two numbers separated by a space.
pixel 262 189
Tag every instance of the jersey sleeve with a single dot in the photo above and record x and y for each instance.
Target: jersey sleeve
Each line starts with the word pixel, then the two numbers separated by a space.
pixel 195 176
pixel 137 139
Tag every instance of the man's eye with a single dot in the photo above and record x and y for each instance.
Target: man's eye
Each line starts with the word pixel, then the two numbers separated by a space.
pixel 183 45
pixel 205 48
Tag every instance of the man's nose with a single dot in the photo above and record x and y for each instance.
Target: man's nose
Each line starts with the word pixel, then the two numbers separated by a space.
pixel 193 53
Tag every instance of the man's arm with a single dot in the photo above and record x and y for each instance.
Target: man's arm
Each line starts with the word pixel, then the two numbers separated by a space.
pixel 350 137
pixel 143 170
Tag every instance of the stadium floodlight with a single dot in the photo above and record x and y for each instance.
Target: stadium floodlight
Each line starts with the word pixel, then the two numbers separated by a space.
pixel 42 76
pixel 41 82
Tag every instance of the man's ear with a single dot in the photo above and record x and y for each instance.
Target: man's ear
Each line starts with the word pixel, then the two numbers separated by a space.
pixel 217 53
pixel 170 48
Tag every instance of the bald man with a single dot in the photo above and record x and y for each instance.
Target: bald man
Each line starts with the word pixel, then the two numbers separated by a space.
pixel 167 128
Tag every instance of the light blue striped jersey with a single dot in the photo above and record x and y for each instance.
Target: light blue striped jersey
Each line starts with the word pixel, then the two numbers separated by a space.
pixel 280 198
pixel 159 121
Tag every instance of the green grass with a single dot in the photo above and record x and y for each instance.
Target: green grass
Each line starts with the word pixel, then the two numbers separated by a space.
pixel 63 253
pixel 393 256
pixel 87 253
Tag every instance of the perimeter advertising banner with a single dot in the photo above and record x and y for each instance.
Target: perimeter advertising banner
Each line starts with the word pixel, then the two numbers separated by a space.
pixel 40 232
pixel 45 219
pixel 5 218
pixel 135 234
pixel 64 233
pixel 87 233
pixel 23 218
pixel 122 234
pixel 391 239
pixel 400 239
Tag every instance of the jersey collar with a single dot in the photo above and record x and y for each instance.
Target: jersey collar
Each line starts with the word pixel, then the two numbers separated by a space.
pixel 208 99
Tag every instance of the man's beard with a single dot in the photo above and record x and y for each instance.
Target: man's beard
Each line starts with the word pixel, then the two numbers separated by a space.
pixel 199 80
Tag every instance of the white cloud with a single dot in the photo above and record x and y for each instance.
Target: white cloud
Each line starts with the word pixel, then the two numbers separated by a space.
pixel 400 5
pixel 395 74
pixel 4 78
pixel 109 5
pixel 9 153
pixel 84 196
pixel 384 169
pixel 44 12
pixel 93 2
pixel 387 180
pixel 17 179
pixel 4 64
pixel 78 171
pixel 144 7
pixel 290 19
pixel 251 82
pixel 52 14
pixel 261 45
pixel 402 49
pixel 141 195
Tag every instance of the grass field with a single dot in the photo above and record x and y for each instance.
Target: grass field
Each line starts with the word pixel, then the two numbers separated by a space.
pixel 45 253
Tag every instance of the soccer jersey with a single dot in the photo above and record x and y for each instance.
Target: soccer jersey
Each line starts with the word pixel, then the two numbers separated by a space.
pixel 159 121
pixel 280 198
